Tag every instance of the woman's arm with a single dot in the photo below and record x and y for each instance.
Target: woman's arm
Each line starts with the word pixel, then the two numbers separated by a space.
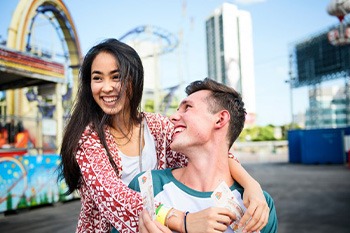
pixel 257 212
pixel 112 201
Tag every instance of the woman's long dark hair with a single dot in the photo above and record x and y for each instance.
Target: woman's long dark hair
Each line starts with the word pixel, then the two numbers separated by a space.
pixel 87 111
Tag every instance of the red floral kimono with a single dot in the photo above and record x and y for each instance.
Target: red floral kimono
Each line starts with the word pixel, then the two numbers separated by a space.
pixel 105 198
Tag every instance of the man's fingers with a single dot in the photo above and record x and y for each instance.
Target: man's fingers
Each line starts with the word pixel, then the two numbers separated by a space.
pixel 227 212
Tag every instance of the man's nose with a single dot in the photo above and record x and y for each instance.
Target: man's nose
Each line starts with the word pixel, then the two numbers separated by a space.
pixel 174 117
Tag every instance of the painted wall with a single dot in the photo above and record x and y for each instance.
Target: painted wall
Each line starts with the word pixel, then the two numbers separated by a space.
pixel 27 181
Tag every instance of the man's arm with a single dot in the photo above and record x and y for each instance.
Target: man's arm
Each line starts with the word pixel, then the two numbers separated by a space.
pixel 272 224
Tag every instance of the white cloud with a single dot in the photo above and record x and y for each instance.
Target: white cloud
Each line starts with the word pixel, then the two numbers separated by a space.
pixel 248 2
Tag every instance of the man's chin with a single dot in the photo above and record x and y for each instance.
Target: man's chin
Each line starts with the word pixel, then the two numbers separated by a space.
pixel 175 147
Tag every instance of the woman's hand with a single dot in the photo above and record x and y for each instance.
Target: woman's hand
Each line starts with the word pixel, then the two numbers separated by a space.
pixel 212 219
pixel 146 225
pixel 257 214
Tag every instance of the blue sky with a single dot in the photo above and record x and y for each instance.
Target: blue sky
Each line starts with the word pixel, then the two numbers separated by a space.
pixel 277 24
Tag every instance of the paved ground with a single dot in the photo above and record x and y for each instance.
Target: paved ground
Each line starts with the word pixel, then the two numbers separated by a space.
pixel 308 198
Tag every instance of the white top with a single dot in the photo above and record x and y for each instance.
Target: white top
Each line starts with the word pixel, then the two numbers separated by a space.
pixel 131 166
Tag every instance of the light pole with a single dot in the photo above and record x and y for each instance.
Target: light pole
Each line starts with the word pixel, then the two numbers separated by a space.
pixel 291 82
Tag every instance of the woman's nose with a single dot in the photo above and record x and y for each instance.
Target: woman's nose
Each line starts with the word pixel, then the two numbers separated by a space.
pixel 108 86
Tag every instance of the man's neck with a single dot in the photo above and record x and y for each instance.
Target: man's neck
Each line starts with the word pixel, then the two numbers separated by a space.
pixel 205 172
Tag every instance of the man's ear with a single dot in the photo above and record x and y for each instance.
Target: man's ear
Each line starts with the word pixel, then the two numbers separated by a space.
pixel 223 118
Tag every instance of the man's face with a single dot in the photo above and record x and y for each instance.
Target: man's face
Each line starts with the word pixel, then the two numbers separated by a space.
pixel 193 123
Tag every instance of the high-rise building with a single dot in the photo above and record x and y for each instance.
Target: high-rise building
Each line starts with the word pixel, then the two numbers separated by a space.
pixel 230 52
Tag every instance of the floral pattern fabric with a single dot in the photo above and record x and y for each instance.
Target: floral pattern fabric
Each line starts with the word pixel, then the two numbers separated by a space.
pixel 105 198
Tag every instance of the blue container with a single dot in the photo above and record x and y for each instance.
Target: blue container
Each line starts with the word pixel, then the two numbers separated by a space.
pixel 317 146
pixel 294 145
pixel 323 146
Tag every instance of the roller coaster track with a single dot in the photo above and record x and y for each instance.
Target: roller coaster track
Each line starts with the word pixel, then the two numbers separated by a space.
pixel 171 41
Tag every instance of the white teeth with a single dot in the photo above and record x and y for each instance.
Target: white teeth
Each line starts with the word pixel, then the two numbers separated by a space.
pixel 178 130
pixel 109 99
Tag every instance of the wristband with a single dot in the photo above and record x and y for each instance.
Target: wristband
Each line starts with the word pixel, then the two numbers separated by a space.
pixel 158 208
pixel 185 221
pixel 161 213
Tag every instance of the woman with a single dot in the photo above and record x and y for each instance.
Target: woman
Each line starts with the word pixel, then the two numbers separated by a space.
pixel 107 141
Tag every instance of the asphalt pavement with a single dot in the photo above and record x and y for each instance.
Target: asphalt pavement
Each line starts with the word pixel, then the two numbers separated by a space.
pixel 308 198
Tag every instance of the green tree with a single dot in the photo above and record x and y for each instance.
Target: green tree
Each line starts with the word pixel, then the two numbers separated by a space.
pixel 149 105
pixel 265 134
pixel 22 202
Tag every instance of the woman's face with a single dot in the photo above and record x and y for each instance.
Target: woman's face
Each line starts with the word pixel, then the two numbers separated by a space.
pixel 106 84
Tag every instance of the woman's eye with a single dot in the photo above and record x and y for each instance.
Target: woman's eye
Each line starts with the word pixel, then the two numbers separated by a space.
pixel 116 77
pixel 96 78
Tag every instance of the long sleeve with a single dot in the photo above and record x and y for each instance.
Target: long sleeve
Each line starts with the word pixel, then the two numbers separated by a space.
pixel 106 199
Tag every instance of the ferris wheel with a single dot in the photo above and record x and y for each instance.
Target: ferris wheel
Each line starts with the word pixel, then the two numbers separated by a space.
pixel 151 42
pixel 155 35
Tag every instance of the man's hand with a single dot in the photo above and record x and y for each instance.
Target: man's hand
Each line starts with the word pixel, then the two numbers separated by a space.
pixel 257 214
pixel 212 219
pixel 146 225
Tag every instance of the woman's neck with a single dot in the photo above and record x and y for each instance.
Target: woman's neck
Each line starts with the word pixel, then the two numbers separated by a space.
pixel 127 137
pixel 123 124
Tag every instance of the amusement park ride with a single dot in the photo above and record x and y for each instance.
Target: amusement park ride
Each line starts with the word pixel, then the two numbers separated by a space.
pixel 341 35
pixel 29 136
pixel 39 96
pixel 151 42
pixel 315 60
pixel 319 58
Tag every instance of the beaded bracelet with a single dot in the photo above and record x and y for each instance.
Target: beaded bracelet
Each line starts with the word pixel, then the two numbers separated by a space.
pixel 170 214
pixel 185 221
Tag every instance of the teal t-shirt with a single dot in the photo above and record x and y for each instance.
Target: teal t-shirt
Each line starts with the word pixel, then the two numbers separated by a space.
pixel 173 193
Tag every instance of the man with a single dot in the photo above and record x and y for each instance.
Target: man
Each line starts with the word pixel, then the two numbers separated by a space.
pixel 206 123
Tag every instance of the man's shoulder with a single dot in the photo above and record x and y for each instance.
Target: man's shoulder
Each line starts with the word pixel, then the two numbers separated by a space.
pixel 159 178
pixel 269 199
pixel 272 223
